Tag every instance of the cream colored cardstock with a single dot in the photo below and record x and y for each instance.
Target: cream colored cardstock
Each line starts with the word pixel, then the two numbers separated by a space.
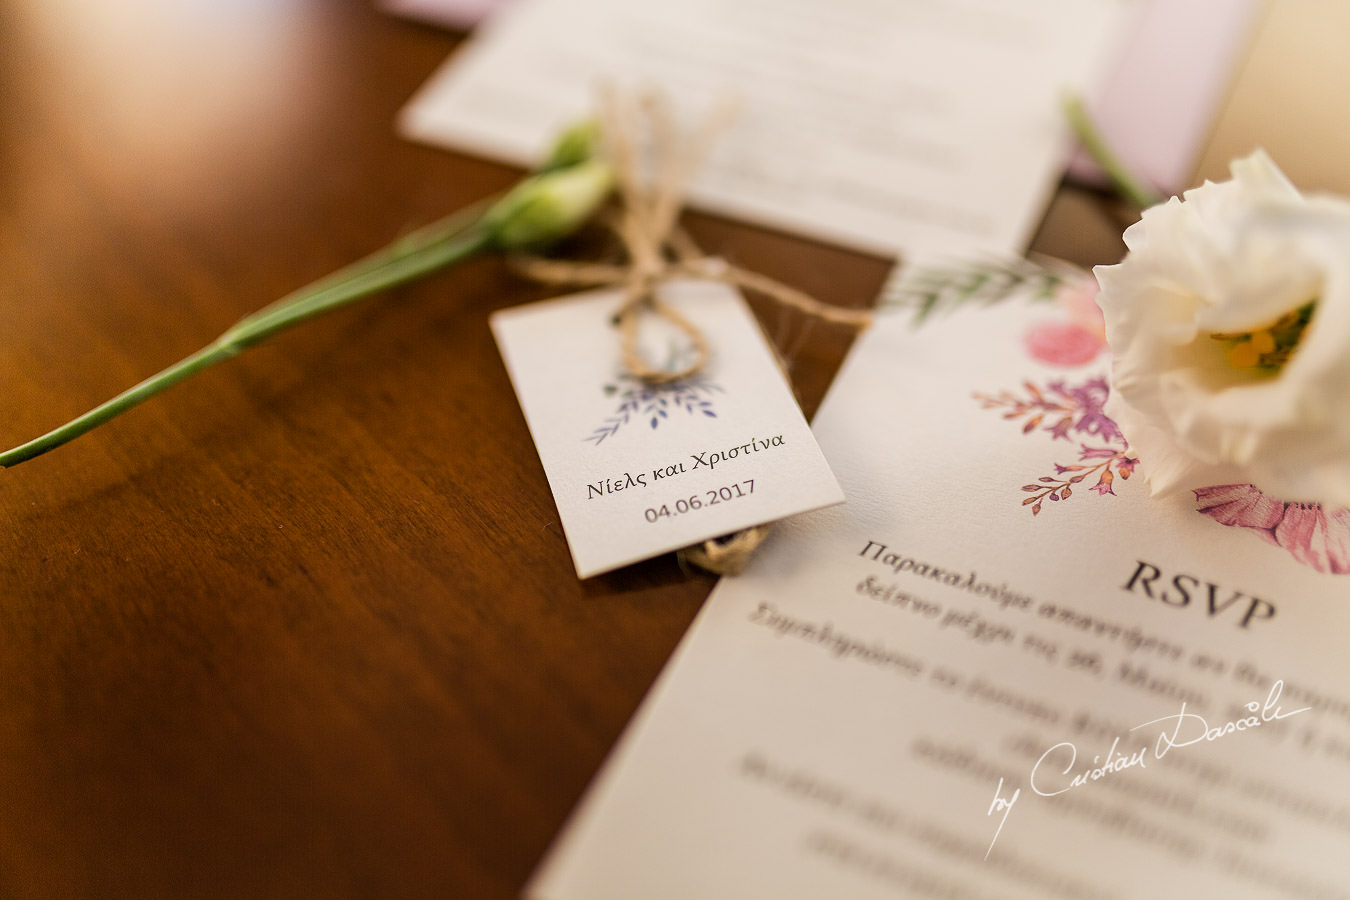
pixel 637 469
pixel 936 691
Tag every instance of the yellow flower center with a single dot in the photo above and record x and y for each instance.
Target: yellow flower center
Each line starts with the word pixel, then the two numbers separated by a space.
pixel 1269 348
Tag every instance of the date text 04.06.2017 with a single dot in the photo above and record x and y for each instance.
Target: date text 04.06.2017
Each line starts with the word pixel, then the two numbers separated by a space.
pixel 701 501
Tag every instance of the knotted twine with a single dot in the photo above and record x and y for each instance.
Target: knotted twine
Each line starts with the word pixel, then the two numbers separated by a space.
pixel 658 251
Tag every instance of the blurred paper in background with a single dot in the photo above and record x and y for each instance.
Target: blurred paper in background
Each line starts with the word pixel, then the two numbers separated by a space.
pixel 1161 97
pixel 1156 105
pixel 927 127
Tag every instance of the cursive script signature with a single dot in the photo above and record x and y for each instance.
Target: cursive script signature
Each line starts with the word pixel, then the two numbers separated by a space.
pixel 1179 730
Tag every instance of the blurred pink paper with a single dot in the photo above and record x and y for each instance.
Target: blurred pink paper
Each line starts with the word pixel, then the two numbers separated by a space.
pixel 461 15
pixel 1158 104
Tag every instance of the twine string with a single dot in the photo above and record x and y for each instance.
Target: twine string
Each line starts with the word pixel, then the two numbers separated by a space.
pixel 656 251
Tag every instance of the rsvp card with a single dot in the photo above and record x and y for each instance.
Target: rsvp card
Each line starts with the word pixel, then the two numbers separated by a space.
pixel 1001 670
pixel 640 469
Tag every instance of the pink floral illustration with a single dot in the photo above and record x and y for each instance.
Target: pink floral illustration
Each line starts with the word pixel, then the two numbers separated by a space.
pixel 1313 536
pixel 1074 412
pixel 1060 343
pixel 1078 336
pixel 1071 413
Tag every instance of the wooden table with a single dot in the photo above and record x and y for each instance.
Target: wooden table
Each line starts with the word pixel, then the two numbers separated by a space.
pixel 306 625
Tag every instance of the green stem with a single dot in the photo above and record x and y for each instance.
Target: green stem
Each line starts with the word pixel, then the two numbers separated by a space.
pixel 423 243
pixel 400 266
pixel 450 240
pixel 1129 187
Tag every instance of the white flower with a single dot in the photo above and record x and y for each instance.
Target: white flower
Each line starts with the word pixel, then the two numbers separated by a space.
pixel 1229 325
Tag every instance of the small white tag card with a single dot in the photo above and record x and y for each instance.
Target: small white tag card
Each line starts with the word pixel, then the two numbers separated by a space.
pixel 638 469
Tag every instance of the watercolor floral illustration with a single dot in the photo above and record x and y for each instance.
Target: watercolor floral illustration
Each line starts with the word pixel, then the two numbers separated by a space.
pixel 1073 411
pixel 1312 535
pixel 654 404
pixel 1070 412
pixel 1077 335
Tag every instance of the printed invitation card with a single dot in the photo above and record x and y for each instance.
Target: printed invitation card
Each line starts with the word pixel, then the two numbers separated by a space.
pixel 1002 669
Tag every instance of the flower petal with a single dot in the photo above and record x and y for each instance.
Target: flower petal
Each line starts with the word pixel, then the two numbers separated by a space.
pixel 1242 505
pixel 1232 258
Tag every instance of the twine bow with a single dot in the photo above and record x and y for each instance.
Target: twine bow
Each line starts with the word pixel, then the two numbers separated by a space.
pixel 657 250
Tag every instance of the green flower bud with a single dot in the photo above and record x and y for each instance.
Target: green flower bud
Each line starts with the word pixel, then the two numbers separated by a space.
pixel 549 205
pixel 576 145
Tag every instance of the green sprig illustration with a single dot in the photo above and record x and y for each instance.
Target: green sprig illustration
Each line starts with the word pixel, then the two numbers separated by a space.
pixel 933 289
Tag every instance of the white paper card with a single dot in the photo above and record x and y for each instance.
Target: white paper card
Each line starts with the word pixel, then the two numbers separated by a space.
pixel 881 125
pixel 638 470
pixel 855 715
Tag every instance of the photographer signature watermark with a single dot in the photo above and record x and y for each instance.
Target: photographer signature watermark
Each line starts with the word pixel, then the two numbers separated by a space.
pixel 1051 775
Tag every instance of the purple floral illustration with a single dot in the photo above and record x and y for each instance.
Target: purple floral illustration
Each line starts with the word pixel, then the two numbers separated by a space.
pixel 1313 536
pixel 1075 337
pixel 1071 413
pixel 653 403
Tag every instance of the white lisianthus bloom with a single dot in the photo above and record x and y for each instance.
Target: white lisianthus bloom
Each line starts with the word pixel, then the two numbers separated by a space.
pixel 1229 326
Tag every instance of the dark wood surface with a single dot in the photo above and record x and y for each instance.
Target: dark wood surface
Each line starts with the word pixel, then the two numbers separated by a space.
pixel 305 626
